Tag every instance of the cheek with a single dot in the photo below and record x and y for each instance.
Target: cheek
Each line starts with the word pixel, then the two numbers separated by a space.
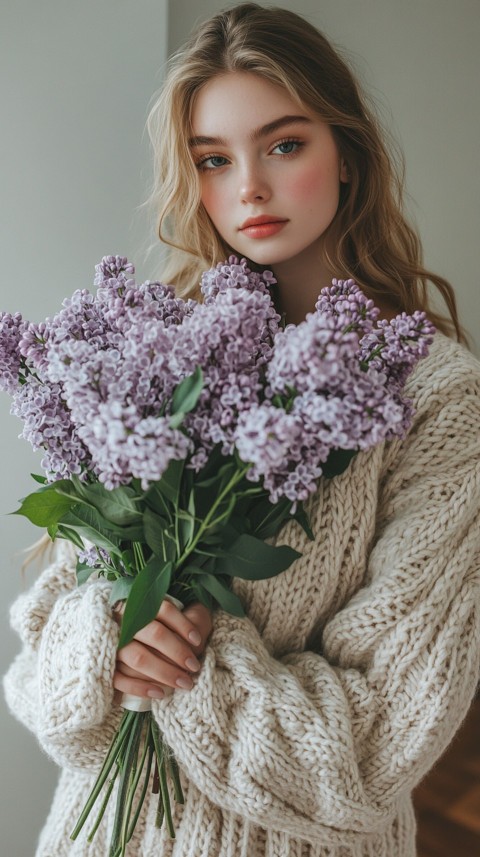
pixel 214 202
pixel 315 186
pixel 207 199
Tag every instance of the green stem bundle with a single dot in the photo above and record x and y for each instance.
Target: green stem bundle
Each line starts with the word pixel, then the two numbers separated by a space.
pixel 137 747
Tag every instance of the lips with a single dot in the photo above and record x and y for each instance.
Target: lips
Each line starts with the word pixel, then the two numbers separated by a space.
pixel 262 227
pixel 260 221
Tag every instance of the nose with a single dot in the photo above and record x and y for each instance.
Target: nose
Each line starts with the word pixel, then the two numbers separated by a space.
pixel 254 186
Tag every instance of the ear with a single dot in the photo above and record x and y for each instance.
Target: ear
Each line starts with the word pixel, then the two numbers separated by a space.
pixel 344 172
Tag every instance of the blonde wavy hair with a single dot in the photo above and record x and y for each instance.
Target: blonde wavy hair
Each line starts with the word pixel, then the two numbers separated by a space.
pixel 373 242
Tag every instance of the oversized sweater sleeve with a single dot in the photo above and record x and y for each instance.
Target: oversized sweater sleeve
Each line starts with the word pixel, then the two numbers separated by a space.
pixel 322 743
pixel 61 683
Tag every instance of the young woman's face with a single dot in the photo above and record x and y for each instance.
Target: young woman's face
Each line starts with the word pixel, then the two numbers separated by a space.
pixel 270 171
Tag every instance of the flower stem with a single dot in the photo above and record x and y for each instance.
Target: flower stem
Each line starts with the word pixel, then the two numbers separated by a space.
pixel 162 773
pixel 175 774
pixel 207 521
pixel 104 805
pixel 127 830
pixel 139 555
pixel 143 793
pixel 113 754
pixel 128 765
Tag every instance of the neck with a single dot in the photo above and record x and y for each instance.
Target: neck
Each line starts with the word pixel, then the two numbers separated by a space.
pixel 299 283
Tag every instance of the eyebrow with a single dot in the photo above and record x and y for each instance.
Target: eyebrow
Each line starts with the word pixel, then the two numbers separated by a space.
pixel 269 128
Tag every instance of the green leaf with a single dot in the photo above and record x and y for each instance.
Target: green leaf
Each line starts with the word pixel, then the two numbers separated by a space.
pixel 252 559
pixel 225 597
pixel 337 462
pixel 89 524
pixel 154 528
pixel 117 505
pixel 224 535
pixel 52 531
pixel 156 501
pixel 45 506
pixel 72 488
pixel 83 572
pixel 301 518
pixel 69 535
pixel 87 497
pixel 121 589
pixel 186 529
pixel 38 478
pixel 199 593
pixel 176 420
pixel 208 490
pixel 146 595
pixel 128 559
pixel 187 393
pixel 225 509
pixel 192 569
pixel 267 518
pixel 169 484
pixel 220 478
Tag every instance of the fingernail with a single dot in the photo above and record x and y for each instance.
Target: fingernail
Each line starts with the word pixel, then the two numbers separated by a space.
pixel 186 683
pixel 192 664
pixel 195 638
pixel 155 693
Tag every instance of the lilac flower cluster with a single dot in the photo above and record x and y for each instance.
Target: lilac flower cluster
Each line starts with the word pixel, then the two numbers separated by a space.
pixel 345 300
pixel 11 331
pixel 231 338
pixel 333 382
pixel 396 346
pixel 234 274
pixel 47 425
pixel 104 319
pixel 81 366
pixel 93 385
pixel 94 557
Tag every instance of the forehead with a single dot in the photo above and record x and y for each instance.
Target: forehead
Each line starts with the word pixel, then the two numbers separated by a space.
pixel 240 99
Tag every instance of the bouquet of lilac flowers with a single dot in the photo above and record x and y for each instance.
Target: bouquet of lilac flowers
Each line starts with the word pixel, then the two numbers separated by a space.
pixel 178 436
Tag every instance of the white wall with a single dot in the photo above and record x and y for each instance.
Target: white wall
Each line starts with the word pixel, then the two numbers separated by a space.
pixel 75 82
pixel 420 60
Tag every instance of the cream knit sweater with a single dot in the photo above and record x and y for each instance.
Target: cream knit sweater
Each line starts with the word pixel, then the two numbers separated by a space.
pixel 313 718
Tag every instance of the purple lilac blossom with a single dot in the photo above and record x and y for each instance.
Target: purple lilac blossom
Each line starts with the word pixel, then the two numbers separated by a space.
pixel 335 397
pixel 100 352
pixel 115 399
pixel 94 557
pixel 231 339
pixel 395 346
pixel 123 446
pixel 112 268
pixel 47 425
pixel 276 445
pixel 107 365
pixel 11 331
pixel 234 274
pixel 345 299
pixel 80 319
pixel 316 354
pixel 103 319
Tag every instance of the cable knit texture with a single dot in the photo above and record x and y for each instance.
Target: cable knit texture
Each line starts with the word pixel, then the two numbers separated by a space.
pixel 315 715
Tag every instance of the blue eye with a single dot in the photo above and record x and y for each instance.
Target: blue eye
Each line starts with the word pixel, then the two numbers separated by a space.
pixel 212 162
pixel 288 147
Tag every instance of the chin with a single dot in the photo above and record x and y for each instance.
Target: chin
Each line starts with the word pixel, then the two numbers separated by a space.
pixel 264 258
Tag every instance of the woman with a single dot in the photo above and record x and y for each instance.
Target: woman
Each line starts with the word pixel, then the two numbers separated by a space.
pixel 308 722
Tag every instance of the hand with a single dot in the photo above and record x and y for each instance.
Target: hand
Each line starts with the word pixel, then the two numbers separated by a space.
pixel 162 654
